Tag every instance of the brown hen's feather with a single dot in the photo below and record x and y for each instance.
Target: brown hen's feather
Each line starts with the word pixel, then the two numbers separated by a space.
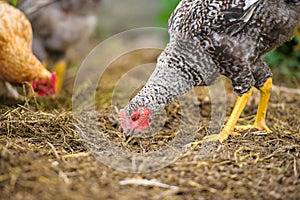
pixel 17 62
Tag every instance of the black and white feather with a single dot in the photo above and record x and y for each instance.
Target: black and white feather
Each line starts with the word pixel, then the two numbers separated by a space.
pixel 211 37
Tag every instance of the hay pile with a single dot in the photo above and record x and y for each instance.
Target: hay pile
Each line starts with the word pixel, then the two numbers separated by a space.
pixel 42 156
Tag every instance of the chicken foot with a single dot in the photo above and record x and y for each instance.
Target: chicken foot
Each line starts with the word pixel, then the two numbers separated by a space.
pixel 260 120
pixel 231 122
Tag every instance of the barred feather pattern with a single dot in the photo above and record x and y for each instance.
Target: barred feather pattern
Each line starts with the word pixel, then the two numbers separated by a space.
pixel 208 37
pixel 181 66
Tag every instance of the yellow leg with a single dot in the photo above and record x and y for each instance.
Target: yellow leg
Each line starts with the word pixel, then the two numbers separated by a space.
pixel 229 127
pixel 260 120
pixel 60 68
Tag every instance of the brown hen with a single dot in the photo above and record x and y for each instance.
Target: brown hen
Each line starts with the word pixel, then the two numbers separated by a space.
pixel 17 62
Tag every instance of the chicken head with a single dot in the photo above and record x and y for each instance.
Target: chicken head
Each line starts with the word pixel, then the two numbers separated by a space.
pixel 137 121
pixel 45 86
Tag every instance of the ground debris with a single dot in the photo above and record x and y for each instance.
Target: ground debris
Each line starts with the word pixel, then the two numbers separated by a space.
pixel 146 182
pixel 43 156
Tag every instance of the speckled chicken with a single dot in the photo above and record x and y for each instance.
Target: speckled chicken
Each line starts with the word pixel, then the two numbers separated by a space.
pixel 17 62
pixel 211 37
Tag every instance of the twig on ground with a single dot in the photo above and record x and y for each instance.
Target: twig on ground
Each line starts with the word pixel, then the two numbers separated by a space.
pixel 285 89
pixel 54 150
pixel 145 182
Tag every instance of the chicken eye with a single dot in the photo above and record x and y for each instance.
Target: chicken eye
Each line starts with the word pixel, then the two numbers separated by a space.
pixel 141 111
pixel 134 118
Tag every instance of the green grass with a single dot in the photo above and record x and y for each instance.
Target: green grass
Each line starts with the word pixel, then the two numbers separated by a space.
pixel 167 7
pixel 13 2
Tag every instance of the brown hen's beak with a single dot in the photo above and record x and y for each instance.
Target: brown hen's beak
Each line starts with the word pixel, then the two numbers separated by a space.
pixel 128 134
pixel 52 96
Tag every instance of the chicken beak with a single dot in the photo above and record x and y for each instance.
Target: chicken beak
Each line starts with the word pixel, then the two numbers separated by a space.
pixel 128 134
pixel 53 97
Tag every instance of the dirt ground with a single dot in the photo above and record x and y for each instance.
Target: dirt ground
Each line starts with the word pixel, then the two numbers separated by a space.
pixel 43 156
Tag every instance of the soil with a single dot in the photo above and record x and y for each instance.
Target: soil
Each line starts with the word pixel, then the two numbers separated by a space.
pixel 43 154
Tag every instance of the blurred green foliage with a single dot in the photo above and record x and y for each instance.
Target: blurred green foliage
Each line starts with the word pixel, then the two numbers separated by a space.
pixel 284 60
pixel 167 7
pixel 13 2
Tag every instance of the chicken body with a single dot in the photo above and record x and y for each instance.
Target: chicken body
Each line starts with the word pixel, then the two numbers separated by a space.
pixel 17 62
pixel 59 25
pixel 211 37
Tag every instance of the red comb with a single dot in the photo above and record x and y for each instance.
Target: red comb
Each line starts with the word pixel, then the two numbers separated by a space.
pixel 34 86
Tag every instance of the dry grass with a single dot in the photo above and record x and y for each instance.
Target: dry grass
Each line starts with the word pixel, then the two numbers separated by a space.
pixel 42 156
